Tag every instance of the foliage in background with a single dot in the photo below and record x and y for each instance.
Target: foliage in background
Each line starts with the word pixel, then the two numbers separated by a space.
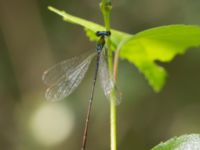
pixel 184 142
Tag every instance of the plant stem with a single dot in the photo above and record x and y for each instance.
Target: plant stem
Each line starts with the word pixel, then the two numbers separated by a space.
pixel 113 123
pixel 116 58
pixel 106 7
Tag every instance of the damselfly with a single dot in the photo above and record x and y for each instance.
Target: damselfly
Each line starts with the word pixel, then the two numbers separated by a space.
pixel 64 77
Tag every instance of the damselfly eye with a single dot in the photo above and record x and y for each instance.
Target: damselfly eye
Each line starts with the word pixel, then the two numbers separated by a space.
pixel 108 33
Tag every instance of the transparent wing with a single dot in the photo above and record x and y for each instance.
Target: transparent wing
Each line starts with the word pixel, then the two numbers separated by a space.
pixel 67 79
pixel 66 67
pixel 107 83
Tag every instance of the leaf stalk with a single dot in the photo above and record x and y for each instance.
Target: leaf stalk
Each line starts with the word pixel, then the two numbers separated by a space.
pixel 106 7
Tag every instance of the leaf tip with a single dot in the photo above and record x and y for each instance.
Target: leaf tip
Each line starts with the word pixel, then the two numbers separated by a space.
pixel 56 11
pixel 50 8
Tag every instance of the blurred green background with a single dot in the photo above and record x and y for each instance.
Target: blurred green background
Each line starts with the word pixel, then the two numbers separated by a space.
pixel 33 39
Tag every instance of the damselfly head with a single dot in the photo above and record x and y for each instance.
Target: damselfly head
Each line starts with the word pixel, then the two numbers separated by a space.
pixel 103 33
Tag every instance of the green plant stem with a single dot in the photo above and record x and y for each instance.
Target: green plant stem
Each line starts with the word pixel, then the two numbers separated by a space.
pixel 106 7
pixel 116 57
pixel 113 123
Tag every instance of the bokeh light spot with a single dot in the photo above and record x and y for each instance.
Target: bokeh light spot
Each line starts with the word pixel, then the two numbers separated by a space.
pixel 52 123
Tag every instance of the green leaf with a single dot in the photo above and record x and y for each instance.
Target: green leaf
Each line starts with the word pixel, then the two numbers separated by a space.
pixel 184 142
pixel 144 48
pixel 159 44
pixel 90 27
